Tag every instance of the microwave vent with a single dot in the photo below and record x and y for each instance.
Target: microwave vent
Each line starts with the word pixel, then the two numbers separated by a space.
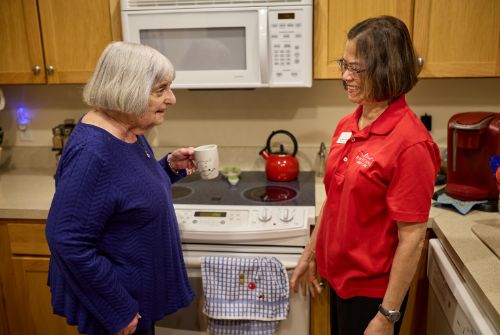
pixel 165 4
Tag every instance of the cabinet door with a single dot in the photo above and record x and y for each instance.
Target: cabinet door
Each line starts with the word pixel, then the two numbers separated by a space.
pixel 20 42
pixel 320 312
pixel 334 18
pixel 75 33
pixel 458 38
pixel 32 274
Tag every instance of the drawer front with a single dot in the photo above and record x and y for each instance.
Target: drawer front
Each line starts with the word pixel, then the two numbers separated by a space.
pixel 28 239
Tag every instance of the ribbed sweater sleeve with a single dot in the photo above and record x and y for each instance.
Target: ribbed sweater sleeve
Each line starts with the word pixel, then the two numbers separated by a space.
pixel 173 176
pixel 81 212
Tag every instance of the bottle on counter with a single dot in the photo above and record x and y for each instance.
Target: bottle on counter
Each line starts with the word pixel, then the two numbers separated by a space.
pixel 67 128
pixel 57 140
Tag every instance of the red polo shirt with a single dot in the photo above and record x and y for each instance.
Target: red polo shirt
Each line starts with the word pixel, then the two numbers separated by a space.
pixel 374 177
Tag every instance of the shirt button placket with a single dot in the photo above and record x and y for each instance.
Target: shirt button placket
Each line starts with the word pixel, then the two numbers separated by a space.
pixel 346 158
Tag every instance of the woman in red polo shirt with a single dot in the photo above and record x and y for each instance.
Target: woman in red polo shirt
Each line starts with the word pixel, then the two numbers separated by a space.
pixel 379 182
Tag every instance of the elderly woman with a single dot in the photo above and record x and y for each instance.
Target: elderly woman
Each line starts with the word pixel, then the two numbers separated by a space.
pixel 116 261
pixel 379 181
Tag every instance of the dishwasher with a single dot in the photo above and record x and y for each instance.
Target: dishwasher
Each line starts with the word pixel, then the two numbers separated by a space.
pixel 451 308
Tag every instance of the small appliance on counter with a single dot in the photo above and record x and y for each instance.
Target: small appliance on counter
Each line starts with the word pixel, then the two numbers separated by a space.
pixel 60 135
pixel 473 138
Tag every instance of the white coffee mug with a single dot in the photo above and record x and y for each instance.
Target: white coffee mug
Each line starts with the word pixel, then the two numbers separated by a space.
pixel 207 160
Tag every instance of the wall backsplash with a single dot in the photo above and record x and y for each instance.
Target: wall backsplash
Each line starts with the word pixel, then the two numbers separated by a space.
pixel 245 118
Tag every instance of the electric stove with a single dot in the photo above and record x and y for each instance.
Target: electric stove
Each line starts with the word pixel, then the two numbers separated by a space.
pixel 255 211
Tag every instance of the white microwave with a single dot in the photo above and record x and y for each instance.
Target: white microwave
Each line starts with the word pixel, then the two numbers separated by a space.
pixel 226 43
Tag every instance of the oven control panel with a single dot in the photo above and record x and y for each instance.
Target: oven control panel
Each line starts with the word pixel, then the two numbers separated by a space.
pixel 243 223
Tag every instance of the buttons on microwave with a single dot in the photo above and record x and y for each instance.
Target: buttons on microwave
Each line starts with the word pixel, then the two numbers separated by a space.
pixel 286 41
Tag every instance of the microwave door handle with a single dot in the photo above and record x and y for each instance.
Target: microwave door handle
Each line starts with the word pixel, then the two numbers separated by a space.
pixel 263 46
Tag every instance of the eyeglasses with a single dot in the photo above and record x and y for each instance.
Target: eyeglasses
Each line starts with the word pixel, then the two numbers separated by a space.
pixel 353 68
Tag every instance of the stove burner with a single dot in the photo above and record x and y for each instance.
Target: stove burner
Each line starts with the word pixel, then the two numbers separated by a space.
pixel 179 192
pixel 270 193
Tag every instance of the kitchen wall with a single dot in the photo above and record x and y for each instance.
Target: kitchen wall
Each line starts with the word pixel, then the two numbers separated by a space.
pixel 241 120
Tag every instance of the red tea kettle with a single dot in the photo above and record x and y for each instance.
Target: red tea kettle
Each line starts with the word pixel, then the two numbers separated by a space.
pixel 280 166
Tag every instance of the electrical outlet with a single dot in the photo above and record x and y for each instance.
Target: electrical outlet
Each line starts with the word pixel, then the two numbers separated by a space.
pixel 25 135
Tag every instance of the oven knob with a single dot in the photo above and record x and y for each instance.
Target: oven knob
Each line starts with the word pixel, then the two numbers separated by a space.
pixel 286 216
pixel 265 215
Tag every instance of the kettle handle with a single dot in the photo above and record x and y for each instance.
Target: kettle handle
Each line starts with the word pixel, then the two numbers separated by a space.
pixel 281 131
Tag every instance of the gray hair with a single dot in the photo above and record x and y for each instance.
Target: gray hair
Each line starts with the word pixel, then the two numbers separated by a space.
pixel 124 77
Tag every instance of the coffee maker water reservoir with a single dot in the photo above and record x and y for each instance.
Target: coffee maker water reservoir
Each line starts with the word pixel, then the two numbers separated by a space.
pixel 473 138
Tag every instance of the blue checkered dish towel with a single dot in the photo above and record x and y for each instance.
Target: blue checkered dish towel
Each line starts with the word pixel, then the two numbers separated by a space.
pixel 244 295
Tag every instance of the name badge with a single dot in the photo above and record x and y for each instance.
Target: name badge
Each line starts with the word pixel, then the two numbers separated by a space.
pixel 344 136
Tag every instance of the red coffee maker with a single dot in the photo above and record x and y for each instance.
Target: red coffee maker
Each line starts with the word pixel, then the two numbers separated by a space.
pixel 473 138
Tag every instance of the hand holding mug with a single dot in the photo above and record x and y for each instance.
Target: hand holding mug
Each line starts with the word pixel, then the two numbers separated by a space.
pixel 182 158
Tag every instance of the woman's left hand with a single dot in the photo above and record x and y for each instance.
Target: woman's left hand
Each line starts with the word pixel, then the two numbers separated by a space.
pixel 182 158
pixel 379 325
pixel 132 326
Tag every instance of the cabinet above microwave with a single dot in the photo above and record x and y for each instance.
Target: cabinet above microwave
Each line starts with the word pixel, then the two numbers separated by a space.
pixel 227 45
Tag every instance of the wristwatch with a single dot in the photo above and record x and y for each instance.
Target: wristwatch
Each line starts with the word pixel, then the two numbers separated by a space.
pixel 392 316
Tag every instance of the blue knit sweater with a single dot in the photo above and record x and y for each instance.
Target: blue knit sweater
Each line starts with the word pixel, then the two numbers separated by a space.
pixel 113 235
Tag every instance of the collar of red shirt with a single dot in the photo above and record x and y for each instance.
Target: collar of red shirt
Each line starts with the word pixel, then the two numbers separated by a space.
pixel 385 122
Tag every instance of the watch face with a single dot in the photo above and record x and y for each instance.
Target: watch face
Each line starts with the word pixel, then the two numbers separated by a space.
pixel 393 316
pixel 390 315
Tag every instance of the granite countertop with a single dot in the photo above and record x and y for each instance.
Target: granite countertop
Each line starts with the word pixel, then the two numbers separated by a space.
pixel 27 194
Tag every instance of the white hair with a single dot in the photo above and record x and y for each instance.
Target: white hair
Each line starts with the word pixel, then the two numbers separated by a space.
pixel 125 76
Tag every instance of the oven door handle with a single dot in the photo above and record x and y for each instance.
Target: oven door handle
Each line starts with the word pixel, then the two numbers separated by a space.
pixel 195 262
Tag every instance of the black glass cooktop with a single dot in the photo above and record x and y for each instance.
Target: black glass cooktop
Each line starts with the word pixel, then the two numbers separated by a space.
pixel 253 189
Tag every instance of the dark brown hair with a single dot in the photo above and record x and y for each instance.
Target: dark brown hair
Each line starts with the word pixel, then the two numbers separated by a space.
pixel 391 64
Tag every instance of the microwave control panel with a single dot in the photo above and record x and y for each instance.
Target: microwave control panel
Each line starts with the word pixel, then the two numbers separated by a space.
pixel 290 44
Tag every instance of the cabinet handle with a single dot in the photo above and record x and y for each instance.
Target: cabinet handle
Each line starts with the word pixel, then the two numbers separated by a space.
pixel 50 69
pixel 36 70
pixel 420 61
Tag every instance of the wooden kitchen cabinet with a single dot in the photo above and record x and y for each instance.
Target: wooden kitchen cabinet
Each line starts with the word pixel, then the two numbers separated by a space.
pixel 24 262
pixel 455 39
pixel 320 313
pixel 458 38
pixel 334 18
pixel 55 42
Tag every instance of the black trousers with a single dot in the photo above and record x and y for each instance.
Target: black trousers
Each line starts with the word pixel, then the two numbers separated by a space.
pixel 352 316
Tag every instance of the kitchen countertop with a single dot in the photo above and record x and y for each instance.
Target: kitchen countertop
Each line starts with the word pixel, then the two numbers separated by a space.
pixel 27 194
